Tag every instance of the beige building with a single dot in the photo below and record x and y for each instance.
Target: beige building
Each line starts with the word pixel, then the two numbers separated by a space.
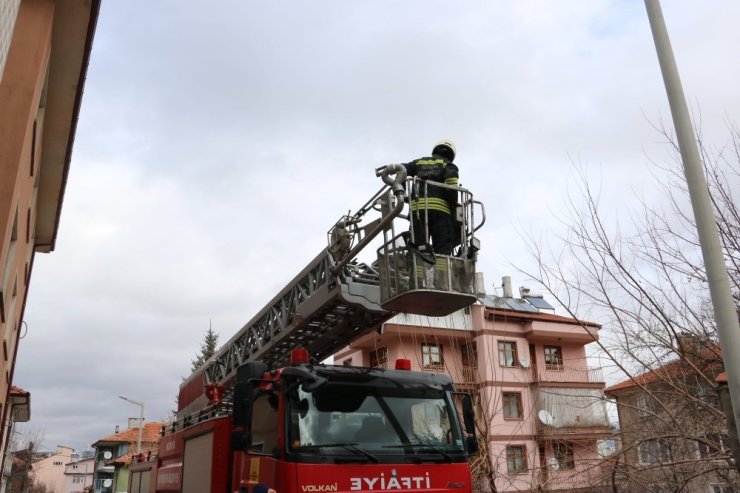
pixel 674 434
pixel 50 470
pixel 44 52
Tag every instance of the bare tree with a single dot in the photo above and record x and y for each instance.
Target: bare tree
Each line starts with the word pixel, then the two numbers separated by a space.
pixel 647 284
pixel 23 448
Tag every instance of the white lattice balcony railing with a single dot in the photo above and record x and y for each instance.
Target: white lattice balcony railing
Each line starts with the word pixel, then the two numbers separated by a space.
pixel 567 374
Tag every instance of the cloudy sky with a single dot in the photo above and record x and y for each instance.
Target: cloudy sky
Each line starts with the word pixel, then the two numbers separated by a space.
pixel 217 144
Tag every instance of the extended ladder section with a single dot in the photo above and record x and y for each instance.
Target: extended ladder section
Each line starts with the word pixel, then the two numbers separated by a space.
pixel 338 298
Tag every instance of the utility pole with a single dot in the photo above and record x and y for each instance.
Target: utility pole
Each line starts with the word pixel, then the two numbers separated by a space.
pixel 725 313
pixel 141 420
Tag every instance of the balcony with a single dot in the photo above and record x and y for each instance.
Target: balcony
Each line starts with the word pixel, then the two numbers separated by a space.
pixel 571 413
pixel 567 374
pixel 467 380
pixel 552 479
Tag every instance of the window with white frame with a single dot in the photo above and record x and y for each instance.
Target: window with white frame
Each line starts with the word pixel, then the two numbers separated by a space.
pixel 712 445
pixel 654 452
pixel 721 488
pixel 431 355
pixel 78 479
pixel 645 405
pixel 507 356
pixel 516 459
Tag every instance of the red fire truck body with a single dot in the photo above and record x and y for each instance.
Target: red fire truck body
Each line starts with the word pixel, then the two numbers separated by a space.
pixel 258 416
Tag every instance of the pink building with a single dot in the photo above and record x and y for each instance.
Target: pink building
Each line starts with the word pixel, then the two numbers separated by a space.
pixel 541 408
pixel 78 475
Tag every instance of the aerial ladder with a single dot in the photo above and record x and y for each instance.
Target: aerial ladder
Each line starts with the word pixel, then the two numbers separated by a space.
pixel 338 297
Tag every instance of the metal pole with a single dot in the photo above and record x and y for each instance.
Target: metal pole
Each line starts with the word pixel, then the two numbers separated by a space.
pixel 725 313
pixel 141 420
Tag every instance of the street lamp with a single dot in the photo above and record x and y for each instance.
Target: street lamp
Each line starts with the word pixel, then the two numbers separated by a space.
pixel 141 420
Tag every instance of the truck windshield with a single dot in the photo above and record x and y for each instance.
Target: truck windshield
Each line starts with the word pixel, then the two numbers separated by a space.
pixel 342 417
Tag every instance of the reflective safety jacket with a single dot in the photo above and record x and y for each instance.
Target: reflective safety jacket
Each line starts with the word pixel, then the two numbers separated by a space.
pixel 437 169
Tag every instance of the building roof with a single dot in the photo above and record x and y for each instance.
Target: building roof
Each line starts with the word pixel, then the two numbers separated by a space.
pixel 672 369
pixel 150 434
pixel 15 390
pixel 539 316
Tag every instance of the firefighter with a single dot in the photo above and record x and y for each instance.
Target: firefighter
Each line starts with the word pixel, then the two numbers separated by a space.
pixel 432 207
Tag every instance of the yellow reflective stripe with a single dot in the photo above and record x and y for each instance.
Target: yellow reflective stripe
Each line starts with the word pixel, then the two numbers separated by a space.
pixel 431 203
pixel 431 162
pixel 450 181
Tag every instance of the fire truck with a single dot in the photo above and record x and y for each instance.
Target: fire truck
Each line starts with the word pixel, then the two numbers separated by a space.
pixel 264 414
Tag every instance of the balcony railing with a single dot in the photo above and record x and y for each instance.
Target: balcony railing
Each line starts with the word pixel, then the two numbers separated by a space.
pixel 551 479
pixel 574 432
pixel 470 374
pixel 567 374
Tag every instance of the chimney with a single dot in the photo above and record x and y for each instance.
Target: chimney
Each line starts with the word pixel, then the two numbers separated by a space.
pixel 118 428
pixel 480 284
pixel 506 284
pixel 133 423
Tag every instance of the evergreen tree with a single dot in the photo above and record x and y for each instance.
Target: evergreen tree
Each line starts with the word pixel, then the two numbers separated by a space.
pixel 207 349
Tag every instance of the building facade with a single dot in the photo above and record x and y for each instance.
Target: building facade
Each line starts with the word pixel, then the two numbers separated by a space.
pixel 78 475
pixel 673 427
pixel 49 471
pixel 541 408
pixel 19 412
pixel 113 455
pixel 44 52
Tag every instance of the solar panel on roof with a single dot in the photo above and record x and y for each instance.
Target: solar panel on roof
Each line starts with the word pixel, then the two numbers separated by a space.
pixel 539 302
pixel 519 305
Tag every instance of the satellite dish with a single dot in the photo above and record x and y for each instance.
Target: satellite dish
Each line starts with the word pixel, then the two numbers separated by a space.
pixel 107 455
pixel 524 362
pixel 107 483
pixel 546 418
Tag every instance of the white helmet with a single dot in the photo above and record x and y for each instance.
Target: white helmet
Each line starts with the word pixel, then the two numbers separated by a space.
pixel 445 148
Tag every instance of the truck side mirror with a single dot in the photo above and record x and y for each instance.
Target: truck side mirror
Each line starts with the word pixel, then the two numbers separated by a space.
pixel 244 391
pixel 471 444
pixel 468 414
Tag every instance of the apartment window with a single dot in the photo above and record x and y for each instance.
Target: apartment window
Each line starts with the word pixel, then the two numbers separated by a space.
pixel 654 452
pixel 512 405
pixel 712 445
pixel 431 355
pixel 721 488
pixel 78 480
pixel 553 357
pixel 563 453
pixel 379 358
pixel 516 459
pixel 507 353
pixel 645 405
pixel 58 463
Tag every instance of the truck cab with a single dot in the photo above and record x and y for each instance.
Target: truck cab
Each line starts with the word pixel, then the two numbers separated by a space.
pixel 317 428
